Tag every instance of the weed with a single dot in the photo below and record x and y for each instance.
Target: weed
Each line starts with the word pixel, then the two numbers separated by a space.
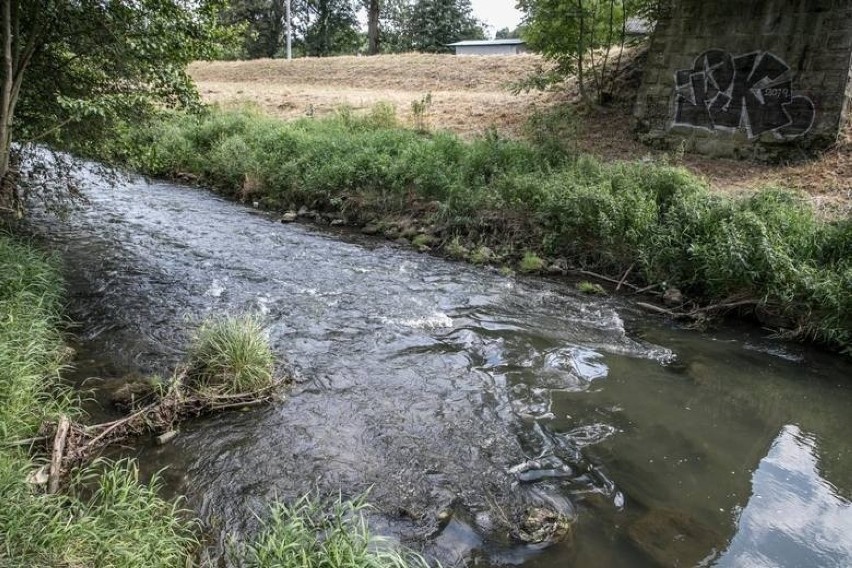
pixel 421 240
pixel 531 262
pixel 420 110
pixel 311 533
pixel 455 249
pixel 230 356
pixel 481 255
pixel 587 287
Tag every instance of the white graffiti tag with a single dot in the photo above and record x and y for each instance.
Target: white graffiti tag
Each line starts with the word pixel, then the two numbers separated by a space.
pixel 753 91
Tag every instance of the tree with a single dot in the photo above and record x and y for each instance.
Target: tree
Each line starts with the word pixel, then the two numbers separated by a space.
pixel 436 23
pixel 73 70
pixel 329 27
pixel 506 33
pixel 264 22
pixel 373 16
pixel 394 17
pixel 578 35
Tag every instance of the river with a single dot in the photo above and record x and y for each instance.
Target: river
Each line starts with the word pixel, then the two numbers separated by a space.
pixel 437 385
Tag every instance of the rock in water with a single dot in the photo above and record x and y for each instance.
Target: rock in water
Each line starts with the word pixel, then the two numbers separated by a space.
pixel 542 525
pixel 673 297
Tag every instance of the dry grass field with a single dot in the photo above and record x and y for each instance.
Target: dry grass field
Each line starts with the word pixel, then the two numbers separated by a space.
pixel 471 95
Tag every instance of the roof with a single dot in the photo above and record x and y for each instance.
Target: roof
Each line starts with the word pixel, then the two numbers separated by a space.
pixel 477 42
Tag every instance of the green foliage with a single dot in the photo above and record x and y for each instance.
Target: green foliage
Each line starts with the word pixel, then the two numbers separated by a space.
pixel 591 288
pixel 106 518
pixel 579 35
pixel 420 110
pixel 434 24
pixel 71 93
pixel 531 262
pixel 30 346
pixel 531 197
pixel 231 356
pixel 315 534
pixel 118 522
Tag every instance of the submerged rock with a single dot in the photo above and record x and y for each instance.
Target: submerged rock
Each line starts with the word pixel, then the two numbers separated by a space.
pixel 542 525
pixel 673 297
pixel 134 390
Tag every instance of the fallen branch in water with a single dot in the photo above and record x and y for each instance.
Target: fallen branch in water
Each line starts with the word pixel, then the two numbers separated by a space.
pixel 606 278
pixel 75 444
pixel 697 314
pixel 57 454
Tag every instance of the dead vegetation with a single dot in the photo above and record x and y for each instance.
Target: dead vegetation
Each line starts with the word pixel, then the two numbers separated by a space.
pixel 71 444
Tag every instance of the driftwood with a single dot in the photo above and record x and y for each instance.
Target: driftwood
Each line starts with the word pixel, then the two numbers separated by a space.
pixel 57 454
pixel 73 444
pixel 621 282
pixel 699 314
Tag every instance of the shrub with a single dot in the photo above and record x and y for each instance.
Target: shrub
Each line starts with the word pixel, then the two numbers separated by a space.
pixel 231 356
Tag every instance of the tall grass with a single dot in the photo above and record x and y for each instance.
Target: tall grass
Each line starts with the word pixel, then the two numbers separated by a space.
pixel 105 518
pixel 529 196
pixel 311 533
pixel 231 356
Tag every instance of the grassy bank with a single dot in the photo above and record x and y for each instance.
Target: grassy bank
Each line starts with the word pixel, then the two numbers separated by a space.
pixel 105 517
pixel 500 201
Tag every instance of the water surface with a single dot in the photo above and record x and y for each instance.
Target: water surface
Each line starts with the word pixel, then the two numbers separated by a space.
pixel 436 384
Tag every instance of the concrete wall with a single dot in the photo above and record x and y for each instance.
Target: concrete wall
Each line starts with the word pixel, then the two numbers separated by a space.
pixel 490 50
pixel 762 79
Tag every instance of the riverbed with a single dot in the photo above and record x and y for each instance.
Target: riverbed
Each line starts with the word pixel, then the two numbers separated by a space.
pixel 462 398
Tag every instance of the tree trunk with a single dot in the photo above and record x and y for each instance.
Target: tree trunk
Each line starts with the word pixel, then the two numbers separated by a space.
pixel 8 194
pixel 581 53
pixel 373 27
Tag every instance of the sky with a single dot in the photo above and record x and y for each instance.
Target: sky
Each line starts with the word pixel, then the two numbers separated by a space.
pixel 497 14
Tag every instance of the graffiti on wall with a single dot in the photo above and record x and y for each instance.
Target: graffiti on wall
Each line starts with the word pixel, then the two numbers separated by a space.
pixel 753 91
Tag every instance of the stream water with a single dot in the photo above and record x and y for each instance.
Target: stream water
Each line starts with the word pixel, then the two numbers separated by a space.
pixel 463 398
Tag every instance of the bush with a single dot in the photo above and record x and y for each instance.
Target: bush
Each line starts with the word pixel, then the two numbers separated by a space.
pixel 231 356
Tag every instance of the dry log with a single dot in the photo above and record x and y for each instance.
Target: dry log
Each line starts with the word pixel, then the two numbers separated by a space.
pixel 57 455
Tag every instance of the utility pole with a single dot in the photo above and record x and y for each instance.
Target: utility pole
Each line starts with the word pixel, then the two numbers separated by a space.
pixel 289 33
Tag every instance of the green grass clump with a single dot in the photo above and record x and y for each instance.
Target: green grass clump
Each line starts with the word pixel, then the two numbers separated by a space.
pixel 591 288
pixel 231 356
pixel 314 534
pixel 528 195
pixel 531 262
pixel 105 518
pixel 31 350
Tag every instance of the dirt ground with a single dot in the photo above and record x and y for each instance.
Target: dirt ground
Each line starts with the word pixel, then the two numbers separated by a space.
pixel 471 95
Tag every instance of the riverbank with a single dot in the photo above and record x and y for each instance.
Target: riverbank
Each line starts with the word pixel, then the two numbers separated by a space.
pixel 529 205
pixel 104 517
